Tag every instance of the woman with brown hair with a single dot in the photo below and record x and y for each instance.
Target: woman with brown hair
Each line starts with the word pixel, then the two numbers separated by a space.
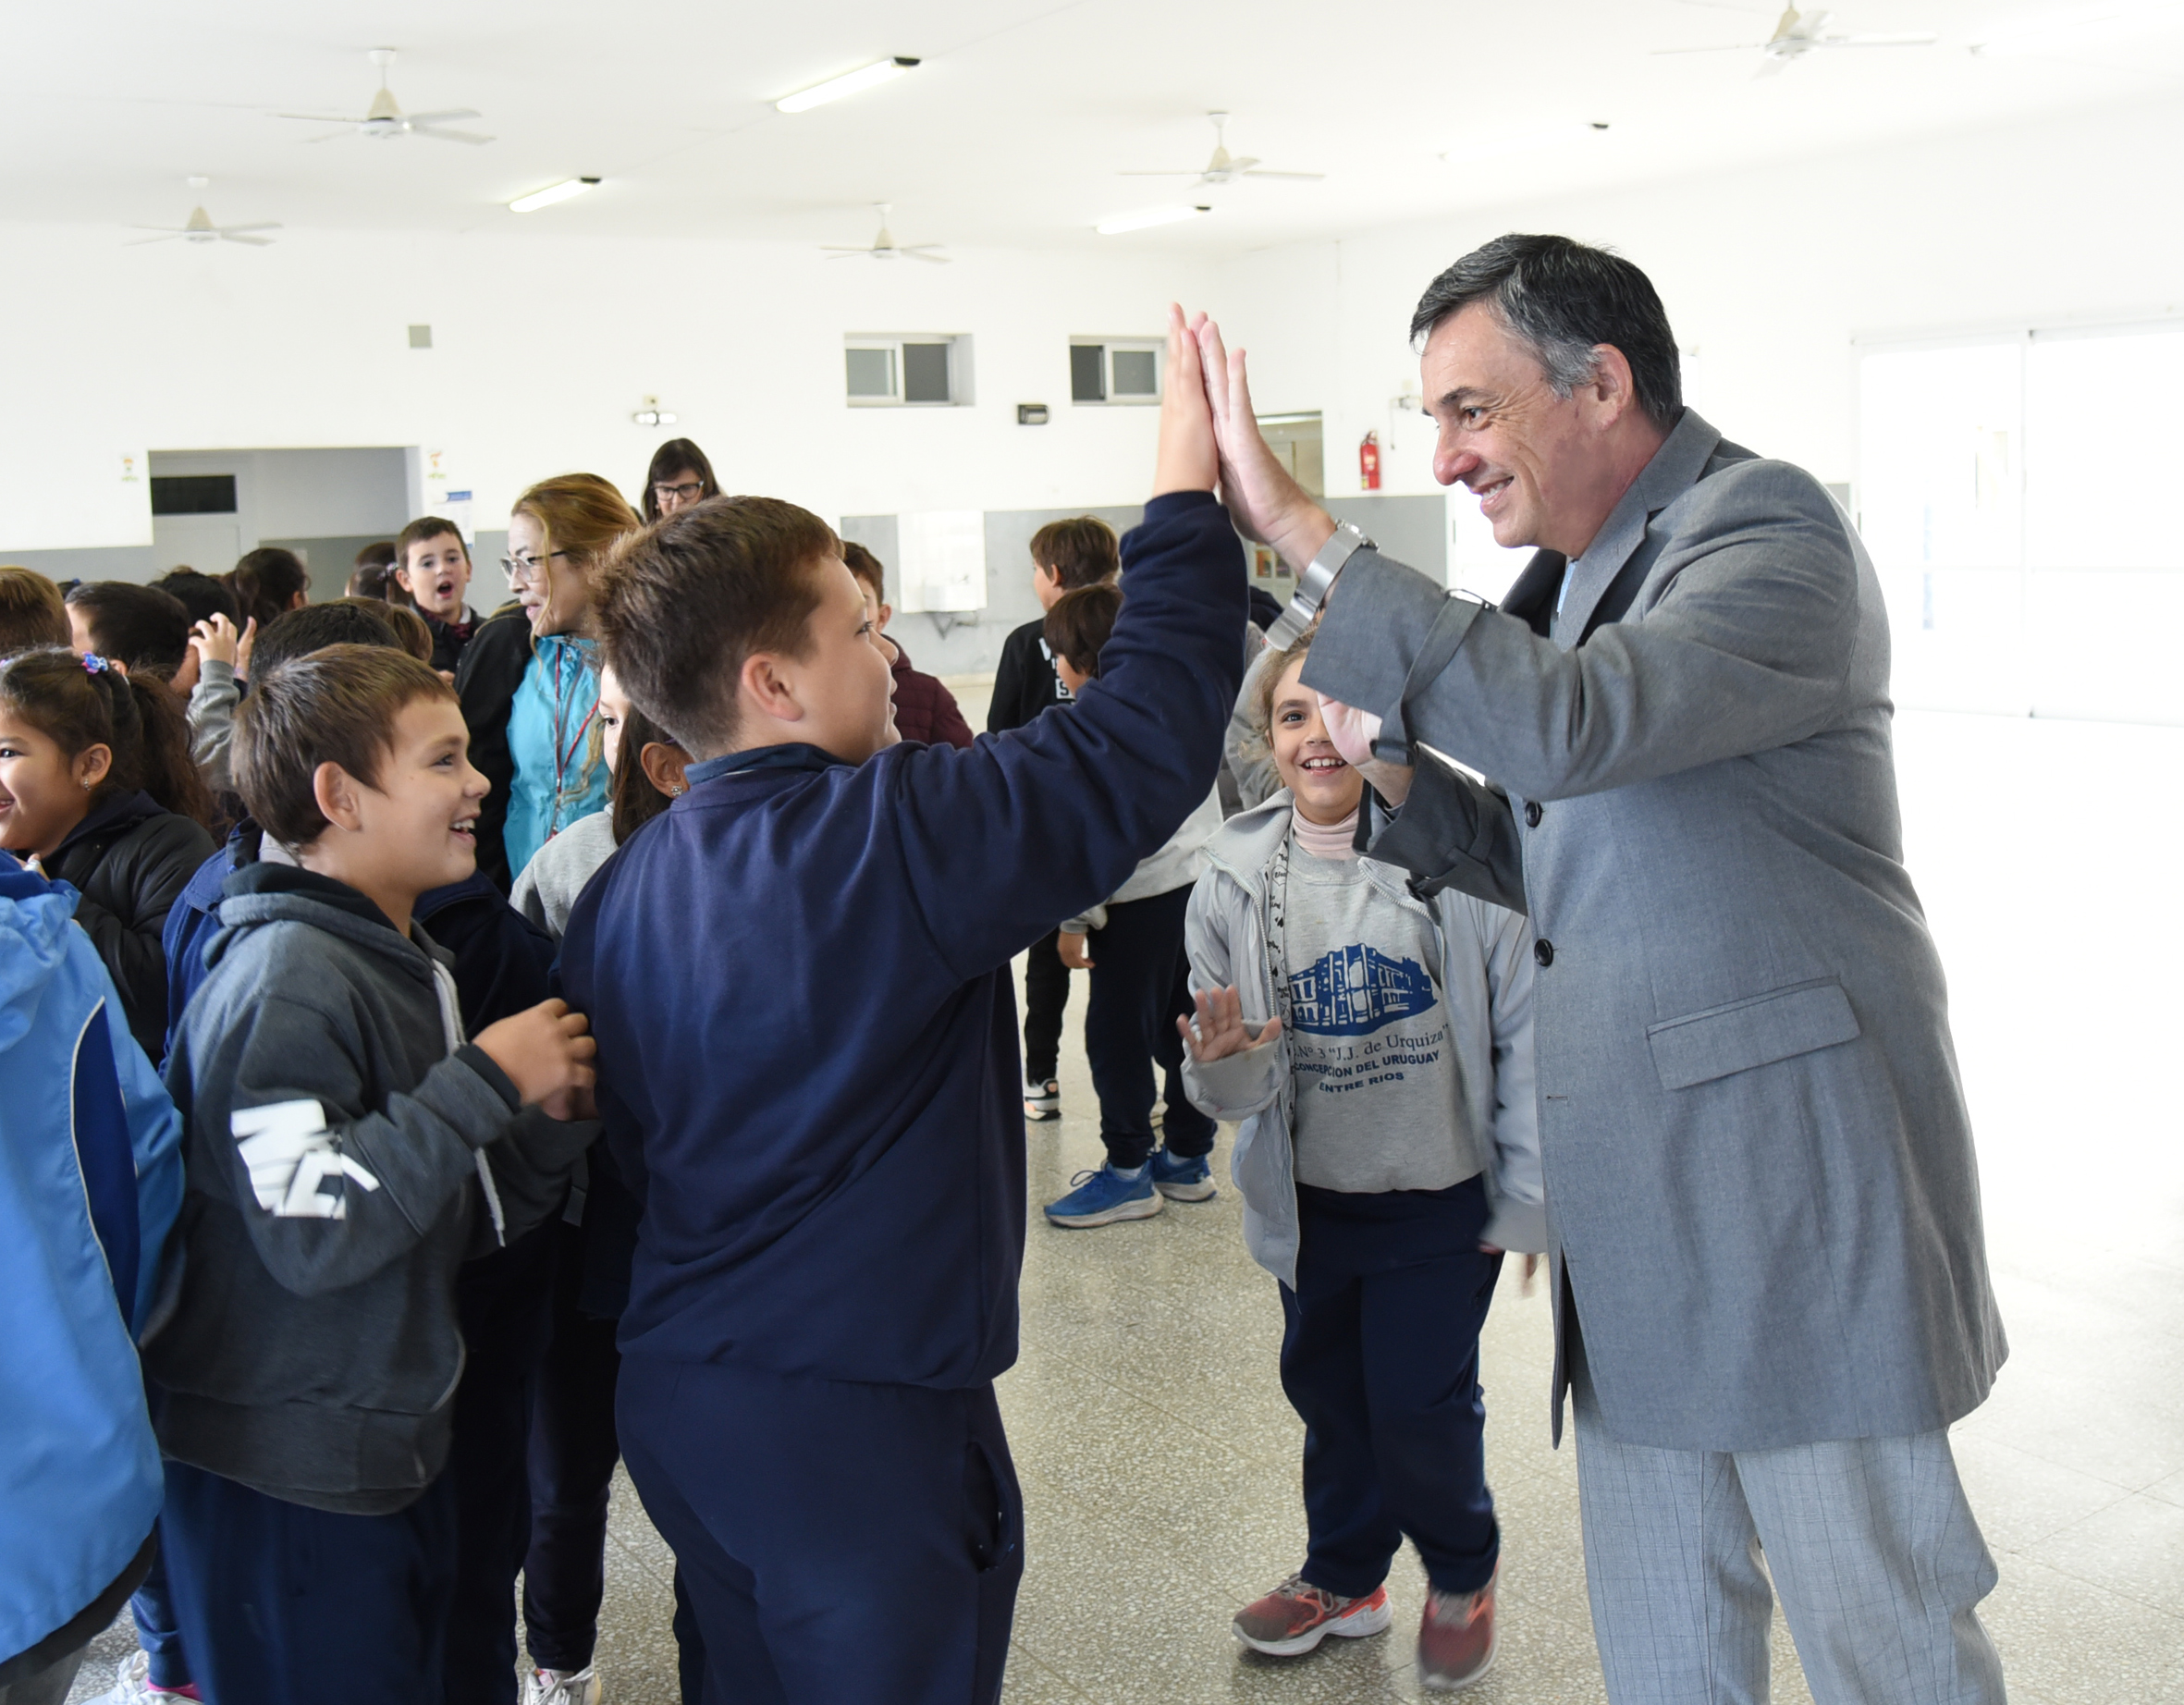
pixel 97 790
pixel 679 476
pixel 529 680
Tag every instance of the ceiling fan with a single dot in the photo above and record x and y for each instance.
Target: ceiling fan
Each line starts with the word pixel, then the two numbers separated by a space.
pixel 885 247
pixel 1224 167
pixel 1796 34
pixel 385 119
pixel 200 228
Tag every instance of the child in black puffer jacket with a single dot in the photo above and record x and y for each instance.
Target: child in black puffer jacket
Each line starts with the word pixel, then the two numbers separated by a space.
pixel 97 790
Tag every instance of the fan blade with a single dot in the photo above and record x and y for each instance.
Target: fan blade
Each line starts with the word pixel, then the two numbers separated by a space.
pixel 320 118
pixel 1740 47
pixel 255 243
pixel 420 119
pixel 1875 40
pixel 331 136
pixel 471 137
pixel 918 254
pixel 265 225
pixel 1256 172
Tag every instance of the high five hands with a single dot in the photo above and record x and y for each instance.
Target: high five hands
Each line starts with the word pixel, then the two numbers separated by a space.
pixel 1218 1030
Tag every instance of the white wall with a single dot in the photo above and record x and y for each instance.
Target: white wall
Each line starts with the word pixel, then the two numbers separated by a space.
pixel 542 350
pixel 1772 277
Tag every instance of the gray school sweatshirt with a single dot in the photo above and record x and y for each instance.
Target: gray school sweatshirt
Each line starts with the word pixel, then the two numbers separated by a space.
pixel 345 1151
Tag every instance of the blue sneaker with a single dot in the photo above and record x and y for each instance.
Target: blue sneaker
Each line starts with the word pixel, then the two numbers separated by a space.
pixel 1182 1180
pixel 1105 1197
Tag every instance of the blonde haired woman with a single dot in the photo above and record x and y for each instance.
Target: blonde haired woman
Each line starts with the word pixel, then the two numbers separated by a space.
pixel 530 680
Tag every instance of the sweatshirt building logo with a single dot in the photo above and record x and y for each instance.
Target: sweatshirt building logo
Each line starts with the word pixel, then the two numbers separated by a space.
pixel 1355 990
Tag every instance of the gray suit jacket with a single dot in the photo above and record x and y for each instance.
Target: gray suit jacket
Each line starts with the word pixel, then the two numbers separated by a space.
pixel 1760 1171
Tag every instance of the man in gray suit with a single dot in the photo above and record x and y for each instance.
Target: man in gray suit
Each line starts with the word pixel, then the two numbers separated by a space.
pixel 1770 1273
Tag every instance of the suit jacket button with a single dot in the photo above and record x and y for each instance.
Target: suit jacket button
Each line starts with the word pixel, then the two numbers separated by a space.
pixel 1544 951
pixel 1531 814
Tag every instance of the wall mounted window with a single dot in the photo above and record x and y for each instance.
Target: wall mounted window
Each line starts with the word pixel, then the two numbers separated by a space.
pixel 193 494
pixel 886 370
pixel 1115 369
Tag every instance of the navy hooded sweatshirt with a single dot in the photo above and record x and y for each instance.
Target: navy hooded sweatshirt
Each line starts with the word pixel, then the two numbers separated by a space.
pixel 799 979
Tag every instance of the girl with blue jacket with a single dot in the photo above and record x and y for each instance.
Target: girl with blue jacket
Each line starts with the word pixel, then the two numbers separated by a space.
pixel 91 1175
pixel 1376 1049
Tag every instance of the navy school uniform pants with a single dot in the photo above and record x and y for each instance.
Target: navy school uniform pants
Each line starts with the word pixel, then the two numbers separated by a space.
pixel 840 1543
pixel 504 1301
pixel 1380 1357
pixel 573 1450
pixel 1140 984
pixel 1046 996
pixel 279 1603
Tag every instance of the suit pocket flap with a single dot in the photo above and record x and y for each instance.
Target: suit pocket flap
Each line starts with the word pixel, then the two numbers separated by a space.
pixel 1699 1047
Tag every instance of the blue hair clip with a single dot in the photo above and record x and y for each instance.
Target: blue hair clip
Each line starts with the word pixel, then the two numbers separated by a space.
pixel 95 665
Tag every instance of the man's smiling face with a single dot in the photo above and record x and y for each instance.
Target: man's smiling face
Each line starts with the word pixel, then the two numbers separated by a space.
pixel 1505 435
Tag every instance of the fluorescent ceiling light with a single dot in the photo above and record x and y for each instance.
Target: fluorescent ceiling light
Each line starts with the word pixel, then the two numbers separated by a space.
pixel 1148 219
pixel 848 82
pixel 1541 139
pixel 2100 23
pixel 557 193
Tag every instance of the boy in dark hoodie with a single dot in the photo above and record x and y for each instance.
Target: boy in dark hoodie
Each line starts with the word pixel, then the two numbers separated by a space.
pixel 346 1150
pixel 800 976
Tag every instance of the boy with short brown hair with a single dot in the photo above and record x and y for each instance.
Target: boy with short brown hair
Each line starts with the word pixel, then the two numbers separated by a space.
pixel 431 564
pixel 346 1151
pixel 800 976
pixel 32 613
pixel 925 710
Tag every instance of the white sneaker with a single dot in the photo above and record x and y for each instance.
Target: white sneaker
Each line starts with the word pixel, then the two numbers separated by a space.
pixel 132 1685
pixel 563 1687
pixel 1041 1101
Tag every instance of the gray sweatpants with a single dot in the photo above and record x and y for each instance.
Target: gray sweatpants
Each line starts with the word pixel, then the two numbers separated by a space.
pixel 1868 1542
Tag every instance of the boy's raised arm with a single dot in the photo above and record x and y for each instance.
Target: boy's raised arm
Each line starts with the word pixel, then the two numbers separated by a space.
pixel 1063 809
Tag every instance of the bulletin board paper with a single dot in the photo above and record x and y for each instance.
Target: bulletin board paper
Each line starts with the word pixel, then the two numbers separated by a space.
pixel 942 562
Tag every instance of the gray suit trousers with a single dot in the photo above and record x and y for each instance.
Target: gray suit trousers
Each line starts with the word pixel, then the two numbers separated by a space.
pixel 1868 1542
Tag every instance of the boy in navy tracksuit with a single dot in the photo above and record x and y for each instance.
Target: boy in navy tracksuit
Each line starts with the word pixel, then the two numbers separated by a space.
pixel 799 977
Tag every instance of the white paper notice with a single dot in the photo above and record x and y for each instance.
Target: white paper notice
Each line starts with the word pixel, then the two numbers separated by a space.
pixel 942 564
pixel 456 507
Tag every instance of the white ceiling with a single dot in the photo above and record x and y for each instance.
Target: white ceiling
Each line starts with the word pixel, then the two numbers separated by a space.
pixel 1014 128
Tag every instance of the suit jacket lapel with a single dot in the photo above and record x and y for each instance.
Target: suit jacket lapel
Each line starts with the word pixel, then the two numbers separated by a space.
pixel 1675 466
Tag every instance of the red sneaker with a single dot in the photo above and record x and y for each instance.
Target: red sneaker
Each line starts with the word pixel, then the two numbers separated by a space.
pixel 1456 1638
pixel 1296 1617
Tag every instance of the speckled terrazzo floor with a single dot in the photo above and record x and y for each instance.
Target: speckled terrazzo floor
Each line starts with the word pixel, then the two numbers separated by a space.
pixel 1158 1456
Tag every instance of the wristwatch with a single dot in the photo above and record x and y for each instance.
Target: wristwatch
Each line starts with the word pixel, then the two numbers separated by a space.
pixel 1311 585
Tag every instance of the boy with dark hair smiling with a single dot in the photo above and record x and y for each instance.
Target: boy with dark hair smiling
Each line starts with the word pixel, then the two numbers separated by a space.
pixel 810 1068
pixel 346 1150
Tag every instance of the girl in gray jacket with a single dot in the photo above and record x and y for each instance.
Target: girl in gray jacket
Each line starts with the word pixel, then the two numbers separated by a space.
pixel 1377 1051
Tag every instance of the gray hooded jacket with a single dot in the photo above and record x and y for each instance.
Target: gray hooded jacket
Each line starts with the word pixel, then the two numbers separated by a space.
pixel 1486 955
pixel 345 1151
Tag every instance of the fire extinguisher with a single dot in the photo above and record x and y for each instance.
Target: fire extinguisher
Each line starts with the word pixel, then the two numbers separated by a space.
pixel 1369 462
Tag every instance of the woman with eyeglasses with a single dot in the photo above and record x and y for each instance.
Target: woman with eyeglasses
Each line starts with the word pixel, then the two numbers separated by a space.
pixel 679 476
pixel 529 682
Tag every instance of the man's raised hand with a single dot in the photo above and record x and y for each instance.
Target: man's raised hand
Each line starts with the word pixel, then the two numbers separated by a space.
pixel 1265 502
pixel 1219 1030
pixel 1187 459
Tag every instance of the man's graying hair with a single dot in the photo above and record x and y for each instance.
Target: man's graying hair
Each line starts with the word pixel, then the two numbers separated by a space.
pixel 1561 299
